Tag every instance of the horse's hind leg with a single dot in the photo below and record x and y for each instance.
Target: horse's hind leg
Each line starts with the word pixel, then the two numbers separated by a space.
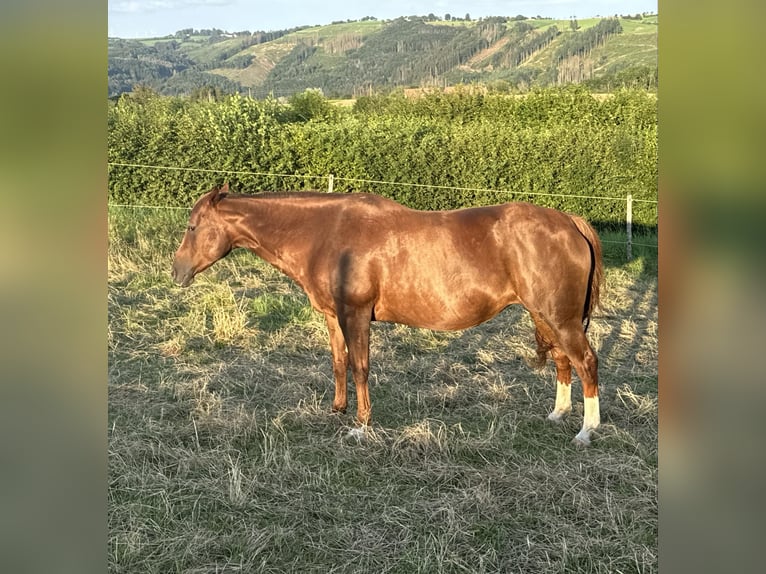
pixel 563 405
pixel 546 342
pixel 573 342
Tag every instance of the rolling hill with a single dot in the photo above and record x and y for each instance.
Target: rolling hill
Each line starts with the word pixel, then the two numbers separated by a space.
pixel 345 59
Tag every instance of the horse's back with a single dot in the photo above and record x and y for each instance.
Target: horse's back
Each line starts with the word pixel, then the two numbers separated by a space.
pixel 455 269
pixel 442 269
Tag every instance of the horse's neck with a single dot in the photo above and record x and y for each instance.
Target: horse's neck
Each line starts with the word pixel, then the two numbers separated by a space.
pixel 271 229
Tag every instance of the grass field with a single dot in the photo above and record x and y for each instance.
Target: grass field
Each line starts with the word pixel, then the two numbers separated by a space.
pixel 224 456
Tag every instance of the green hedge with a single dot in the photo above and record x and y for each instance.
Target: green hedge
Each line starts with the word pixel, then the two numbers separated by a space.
pixel 535 147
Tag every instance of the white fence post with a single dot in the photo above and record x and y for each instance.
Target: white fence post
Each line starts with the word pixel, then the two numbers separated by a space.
pixel 330 183
pixel 629 217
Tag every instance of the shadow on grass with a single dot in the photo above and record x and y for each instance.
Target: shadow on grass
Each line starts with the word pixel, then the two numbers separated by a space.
pixel 270 312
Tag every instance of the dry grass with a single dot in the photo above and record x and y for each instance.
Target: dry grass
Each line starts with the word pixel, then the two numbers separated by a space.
pixel 224 456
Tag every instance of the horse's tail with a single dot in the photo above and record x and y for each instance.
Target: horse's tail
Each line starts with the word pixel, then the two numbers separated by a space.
pixel 596 276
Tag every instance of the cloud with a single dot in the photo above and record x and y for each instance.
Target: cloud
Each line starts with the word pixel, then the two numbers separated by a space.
pixel 141 6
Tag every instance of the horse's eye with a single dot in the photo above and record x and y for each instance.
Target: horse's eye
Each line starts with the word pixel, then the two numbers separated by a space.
pixel 191 228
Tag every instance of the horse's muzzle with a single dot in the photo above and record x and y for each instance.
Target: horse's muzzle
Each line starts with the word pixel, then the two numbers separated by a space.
pixel 182 274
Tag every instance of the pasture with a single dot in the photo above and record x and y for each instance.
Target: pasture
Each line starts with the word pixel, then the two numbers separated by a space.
pixel 224 456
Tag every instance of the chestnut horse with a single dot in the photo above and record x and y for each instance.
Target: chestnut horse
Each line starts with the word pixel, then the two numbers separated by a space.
pixel 363 258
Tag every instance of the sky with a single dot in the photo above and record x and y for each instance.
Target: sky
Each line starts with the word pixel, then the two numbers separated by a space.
pixel 151 18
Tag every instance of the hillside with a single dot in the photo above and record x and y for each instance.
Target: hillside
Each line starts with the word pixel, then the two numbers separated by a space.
pixel 345 59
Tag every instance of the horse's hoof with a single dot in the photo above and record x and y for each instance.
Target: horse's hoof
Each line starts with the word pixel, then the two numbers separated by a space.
pixel 582 440
pixel 556 418
pixel 358 433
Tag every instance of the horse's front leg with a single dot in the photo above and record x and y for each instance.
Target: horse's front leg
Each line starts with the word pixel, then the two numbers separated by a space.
pixel 339 363
pixel 355 324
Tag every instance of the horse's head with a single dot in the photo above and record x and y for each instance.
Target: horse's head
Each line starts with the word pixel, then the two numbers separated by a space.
pixel 207 238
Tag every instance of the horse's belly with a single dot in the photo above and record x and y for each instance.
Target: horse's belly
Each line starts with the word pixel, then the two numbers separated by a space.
pixel 438 283
pixel 441 312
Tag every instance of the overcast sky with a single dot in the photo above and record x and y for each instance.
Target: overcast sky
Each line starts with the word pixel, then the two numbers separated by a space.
pixel 148 18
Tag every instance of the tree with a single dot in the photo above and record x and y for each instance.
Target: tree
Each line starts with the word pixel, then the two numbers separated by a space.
pixel 310 105
pixel 207 93
pixel 142 93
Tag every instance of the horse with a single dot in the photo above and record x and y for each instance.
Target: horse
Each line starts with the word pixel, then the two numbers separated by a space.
pixel 361 258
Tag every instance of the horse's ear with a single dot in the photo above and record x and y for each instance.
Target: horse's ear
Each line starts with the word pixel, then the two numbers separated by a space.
pixel 218 194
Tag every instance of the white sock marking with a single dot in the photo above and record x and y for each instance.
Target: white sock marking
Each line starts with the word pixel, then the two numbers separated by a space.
pixel 563 402
pixel 591 420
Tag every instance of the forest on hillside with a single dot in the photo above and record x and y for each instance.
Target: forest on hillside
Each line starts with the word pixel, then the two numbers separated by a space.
pixel 346 59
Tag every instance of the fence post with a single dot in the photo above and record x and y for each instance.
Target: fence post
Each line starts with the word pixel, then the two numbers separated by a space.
pixel 329 183
pixel 629 216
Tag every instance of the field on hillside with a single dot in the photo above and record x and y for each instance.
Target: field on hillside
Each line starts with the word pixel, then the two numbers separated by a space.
pixel 346 58
pixel 224 456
